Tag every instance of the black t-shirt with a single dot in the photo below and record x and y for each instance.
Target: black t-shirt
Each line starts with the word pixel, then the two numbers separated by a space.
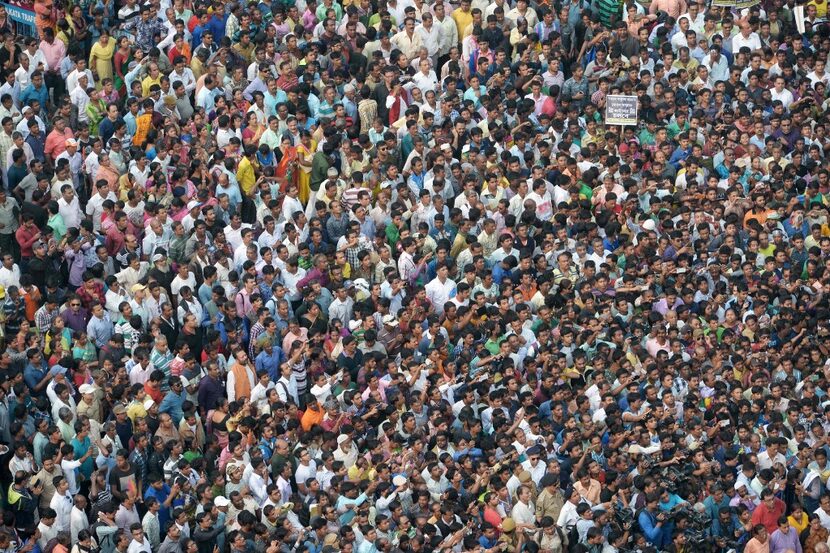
pixel 123 480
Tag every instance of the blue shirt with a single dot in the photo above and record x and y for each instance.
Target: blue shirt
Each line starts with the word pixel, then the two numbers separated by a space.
pixel 161 495
pixel 31 93
pixel 172 405
pixel 100 330
pixel 270 363
pixel 33 375
pixel 658 536
pixel 216 25
pixel 81 448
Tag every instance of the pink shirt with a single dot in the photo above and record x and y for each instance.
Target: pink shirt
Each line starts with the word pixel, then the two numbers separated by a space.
pixel 56 142
pixel 53 53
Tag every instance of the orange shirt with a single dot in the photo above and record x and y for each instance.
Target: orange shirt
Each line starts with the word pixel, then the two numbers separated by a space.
pixel 311 418
pixel 143 124
pixel 32 300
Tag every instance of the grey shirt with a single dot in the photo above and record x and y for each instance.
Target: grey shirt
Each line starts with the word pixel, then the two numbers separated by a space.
pixel 9 211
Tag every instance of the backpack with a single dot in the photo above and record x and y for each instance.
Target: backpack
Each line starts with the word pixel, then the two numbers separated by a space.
pixel 573 538
pixel 104 544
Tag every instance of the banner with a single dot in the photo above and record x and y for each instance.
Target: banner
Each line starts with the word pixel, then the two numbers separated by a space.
pixel 22 15
pixel 737 4
pixel 621 110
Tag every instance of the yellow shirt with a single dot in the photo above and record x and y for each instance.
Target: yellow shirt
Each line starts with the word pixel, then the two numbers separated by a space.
pixel 801 524
pixel 246 176
pixel 147 83
pixel 462 21
pixel 821 8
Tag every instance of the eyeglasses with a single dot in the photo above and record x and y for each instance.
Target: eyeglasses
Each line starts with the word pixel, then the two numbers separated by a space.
pixel 74 304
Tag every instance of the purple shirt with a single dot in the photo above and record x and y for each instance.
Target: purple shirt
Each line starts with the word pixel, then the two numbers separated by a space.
pixel 75 320
pixel 780 542
pixel 77 264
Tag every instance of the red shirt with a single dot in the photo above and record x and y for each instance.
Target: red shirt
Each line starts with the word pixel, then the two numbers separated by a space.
pixel 154 393
pixel 26 238
pixel 769 517
pixel 88 297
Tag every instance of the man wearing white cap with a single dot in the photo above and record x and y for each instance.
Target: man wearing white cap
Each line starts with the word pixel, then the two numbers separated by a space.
pixel 89 405
pixel 71 155
pixel 193 212
pixel 345 452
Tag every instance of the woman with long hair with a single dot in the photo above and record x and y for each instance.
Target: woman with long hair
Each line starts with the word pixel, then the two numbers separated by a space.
pixel 218 421
pixel 286 171
pixel 100 58
pixel 814 534
pixel 78 25
pixel 121 60
pixel 305 153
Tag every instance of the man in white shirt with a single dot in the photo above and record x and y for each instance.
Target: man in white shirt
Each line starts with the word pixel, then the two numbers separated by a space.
pixel 440 289
pixel 95 206
pixel 9 272
pixel 22 73
pixel 184 74
pixel 430 36
pixel 80 98
pixel 771 456
pixel 746 38
pixel 74 78
pixel 77 519
pixel 568 515
pixel 140 543
pixel 62 503
pixel 717 64
pixel 69 207
pixel 307 468
pixel 779 92
pixel 37 59
pixel 818 74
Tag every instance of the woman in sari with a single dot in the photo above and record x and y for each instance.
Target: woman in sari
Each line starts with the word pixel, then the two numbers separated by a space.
pixel 253 130
pixel 286 172
pixel 79 27
pixel 100 57
pixel 305 153
pixel 239 101
pixel 96 110
pixel 65 33
pixel 121 59
pixel 5 21
pixel 180 48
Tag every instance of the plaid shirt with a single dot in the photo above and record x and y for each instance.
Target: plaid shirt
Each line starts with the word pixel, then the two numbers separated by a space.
pixel 138 459
pixel 44 319
pixel 353 253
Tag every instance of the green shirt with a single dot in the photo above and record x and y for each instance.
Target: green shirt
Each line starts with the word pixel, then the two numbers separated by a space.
pixel 319 170
pixel 57 225
pixel 646 137
pixel 392 235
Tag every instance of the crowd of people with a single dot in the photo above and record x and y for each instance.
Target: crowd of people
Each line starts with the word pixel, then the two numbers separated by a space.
pixel 378 276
